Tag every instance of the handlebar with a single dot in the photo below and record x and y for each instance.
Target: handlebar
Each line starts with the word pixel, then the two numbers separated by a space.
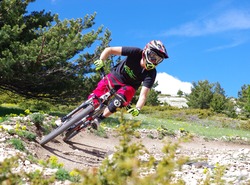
pixel 103 74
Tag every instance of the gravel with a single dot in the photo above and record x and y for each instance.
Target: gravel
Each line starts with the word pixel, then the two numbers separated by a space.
pixel 210 155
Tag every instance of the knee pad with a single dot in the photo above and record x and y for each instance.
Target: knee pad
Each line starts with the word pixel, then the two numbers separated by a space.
pixel 116 102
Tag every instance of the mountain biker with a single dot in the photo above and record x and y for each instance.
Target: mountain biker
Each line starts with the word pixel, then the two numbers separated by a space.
pixel 138 68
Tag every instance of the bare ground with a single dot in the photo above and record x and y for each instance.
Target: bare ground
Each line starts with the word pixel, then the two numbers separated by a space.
pixel 88 150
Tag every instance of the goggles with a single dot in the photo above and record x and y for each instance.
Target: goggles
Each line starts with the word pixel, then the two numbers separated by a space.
pixel 152 57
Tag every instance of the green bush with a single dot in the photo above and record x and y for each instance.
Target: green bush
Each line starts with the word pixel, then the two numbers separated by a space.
pixel 26 134
pixel 17 143
pixel 7 176
pixel 37 118
pixel 23 133
pixel 37 178
pixel 62 174
pixel 244 125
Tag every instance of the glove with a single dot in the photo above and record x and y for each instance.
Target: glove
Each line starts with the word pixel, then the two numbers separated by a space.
pixel 99 64
pixel 134 111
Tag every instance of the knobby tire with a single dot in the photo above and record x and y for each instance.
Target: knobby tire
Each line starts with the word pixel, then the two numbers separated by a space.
pixel 66 125
pixel 71 133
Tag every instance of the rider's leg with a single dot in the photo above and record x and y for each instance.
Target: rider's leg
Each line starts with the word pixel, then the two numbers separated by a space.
pixel 125 94
pixel 116 102
pixel 100 89
pixel 120 100
pixel 106 113
pixel 123 98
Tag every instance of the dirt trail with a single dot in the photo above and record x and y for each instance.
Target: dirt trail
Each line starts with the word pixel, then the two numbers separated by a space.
pixel 88 150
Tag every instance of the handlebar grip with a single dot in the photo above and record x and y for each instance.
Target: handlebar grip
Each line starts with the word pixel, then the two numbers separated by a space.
pixel 102 72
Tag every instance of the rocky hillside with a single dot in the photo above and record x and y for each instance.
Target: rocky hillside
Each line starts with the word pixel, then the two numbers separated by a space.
pixel 88 150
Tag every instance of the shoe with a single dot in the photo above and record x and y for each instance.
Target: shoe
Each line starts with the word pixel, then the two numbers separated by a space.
pixel 95 123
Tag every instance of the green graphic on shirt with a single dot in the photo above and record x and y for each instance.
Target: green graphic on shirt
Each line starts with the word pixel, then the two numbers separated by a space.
pixel 129 72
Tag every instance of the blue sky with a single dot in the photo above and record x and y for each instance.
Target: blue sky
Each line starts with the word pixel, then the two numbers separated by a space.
pixel 205 39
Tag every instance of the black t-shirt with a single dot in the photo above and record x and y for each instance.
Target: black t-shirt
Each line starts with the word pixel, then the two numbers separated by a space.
pixel 129 71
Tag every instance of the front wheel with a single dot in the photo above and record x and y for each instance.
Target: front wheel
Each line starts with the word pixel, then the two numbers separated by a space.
pixel 75 130
pixel 76 118
pixel 70 134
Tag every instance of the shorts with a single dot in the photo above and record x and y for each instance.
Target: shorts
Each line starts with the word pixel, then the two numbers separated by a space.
pixel 124 90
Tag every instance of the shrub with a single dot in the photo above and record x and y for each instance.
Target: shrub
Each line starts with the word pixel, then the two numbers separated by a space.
pixel 163 131
pixel 244 125
pixel 36 177
pixel 18 144
pixel 28 135
pixel 75 176
pixel 37 118
pixel 23 133
pixel 62 174
pixel 7 176
pixel 53 162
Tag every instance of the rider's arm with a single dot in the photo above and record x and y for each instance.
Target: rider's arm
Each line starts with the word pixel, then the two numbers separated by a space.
pixel 143 97
pixel 110 51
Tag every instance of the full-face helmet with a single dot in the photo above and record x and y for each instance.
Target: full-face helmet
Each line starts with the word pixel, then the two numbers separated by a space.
pixel 154 53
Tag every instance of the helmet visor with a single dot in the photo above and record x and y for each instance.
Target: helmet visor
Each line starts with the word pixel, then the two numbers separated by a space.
pixel 153 57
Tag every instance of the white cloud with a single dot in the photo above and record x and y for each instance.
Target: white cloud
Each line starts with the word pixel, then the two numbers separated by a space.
pixel 226 21
pixel 230 45
pixel 168 84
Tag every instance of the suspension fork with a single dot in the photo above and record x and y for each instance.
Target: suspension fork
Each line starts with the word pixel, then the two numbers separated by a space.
pixel 82 106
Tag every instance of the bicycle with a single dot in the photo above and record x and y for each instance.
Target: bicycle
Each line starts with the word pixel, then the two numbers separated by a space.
pixel 82 116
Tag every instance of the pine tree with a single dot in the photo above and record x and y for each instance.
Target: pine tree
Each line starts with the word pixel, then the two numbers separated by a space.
pixel 218 102
pixel 42 56
pixel 153 96
pixel 244 100
pixel 201 95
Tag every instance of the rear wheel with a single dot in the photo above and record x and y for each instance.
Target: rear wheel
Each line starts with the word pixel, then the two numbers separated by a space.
pixel 76 118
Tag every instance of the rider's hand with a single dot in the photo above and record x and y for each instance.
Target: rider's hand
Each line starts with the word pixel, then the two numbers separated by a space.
pixel 99 64
pixel 134 111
